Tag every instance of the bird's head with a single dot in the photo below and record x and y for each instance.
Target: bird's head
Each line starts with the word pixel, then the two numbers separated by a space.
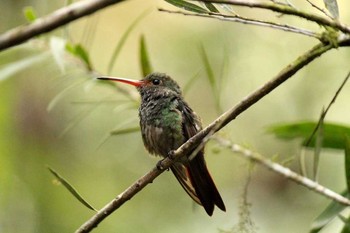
pixel 153 81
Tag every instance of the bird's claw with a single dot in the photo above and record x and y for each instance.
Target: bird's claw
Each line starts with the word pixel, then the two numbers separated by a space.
pixel 160 165
pixel 171 155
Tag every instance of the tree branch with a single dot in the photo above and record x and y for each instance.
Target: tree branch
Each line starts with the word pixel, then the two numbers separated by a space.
pixel 286 172
pixel 284 9
pixel 56 19
pixel 201 137
pixel 123 197
pixel 319 8
pixel 240 19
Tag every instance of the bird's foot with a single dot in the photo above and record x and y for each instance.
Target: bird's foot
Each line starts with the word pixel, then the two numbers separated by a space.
pixel 160 166
pixel 171 155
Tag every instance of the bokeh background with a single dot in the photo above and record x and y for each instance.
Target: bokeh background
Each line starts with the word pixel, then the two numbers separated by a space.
pixel 54 113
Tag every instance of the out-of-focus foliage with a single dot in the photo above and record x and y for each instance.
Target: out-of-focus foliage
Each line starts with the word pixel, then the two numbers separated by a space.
pixel 333 134
pixel 332 211
pixel 54 112
pixel 332 7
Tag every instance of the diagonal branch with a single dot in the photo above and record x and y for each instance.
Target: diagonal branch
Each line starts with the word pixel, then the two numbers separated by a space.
pixel 319 8
pixel 200 138
pixel 286 172
pixel 285 9
pixel 245 20
pixel 56 19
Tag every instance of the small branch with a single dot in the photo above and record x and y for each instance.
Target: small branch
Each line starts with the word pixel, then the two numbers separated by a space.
pixel 324 112
pixel 244 20
pixel 285 9
pixel 320 9
pixel 286 172
pixel 56 19
pixel 124 196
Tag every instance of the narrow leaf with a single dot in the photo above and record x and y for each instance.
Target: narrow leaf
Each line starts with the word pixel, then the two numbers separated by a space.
pixel 190 82
pixel 83 54
pixel 125 131
pixel 332 7
pixel 29 14
pixel 11 69
pixel 57 47
pixel 122 41
pixel 211 7
pixel 333 134
pixel 80 52
pixel 324 113
pixel 208 68
pixel 347 160
pixel 331 211
pixel 346 221
pixel 211 78
pixel 227 8
pixel 144 57
pixel 187 6
pixel 71 189
pixel 318 145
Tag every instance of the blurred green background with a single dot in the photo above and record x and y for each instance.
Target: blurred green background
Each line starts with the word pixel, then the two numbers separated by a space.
pixel 55 113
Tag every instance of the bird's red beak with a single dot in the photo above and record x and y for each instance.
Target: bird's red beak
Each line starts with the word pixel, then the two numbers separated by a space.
pixel 135 83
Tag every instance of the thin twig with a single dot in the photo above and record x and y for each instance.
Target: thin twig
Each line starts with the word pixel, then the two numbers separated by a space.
pixel 319 8
pixel 324 113
pixel 201 137
pixel 50 22
pixel 286 172
pixel 284 9
pixel 244 20
pixel 123 197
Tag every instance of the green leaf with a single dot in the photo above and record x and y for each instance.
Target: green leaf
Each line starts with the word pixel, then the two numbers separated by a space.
pixel 211 7
pixel 211 78
pixel 347 160
pixel 318 145
pixel 29 13
pixel 12 68
pixel 331 211
pixel 79 51
pixel 333 134
pixel 144 57
pixel 71 189
pixel 125 131
pixel 83 54
pixel 332 7
pixel 58 48
pixel 187 6
pixel 123 39
pixel 190 82
pixel 346 221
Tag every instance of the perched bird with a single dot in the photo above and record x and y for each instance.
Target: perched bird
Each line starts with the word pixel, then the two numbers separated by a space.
pixel 167 122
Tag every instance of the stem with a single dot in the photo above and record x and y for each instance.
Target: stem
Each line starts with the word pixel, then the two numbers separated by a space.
pixel 50 22
pixel 285 9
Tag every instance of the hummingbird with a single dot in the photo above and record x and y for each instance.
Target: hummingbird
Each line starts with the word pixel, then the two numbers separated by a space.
pixel 166 122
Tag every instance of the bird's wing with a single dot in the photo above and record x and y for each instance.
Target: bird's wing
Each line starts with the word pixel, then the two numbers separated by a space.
pixel 191 123
pixel 181 173
pixel 197 172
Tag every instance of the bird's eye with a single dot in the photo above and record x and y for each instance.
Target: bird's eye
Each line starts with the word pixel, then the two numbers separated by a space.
pixel 156 81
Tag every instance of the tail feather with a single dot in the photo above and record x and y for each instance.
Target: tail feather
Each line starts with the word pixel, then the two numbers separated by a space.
pixel 194 177
pixel 204 185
